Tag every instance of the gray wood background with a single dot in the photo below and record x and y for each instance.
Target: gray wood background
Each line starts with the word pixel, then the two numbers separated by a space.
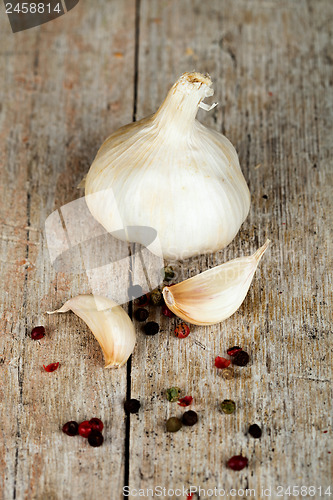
pixel 64 87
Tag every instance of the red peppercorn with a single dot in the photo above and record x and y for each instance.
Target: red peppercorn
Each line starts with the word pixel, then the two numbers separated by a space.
pixel 166 312
pixel 182 331
pixel 237 462
pixel 232 351
pixel 96 424
pixel 222 362
pixel 95 439
pixel 143 301
pixel 186 401
pixel 85 429
pixel 37 333
pixel 51 368
pixel 71 428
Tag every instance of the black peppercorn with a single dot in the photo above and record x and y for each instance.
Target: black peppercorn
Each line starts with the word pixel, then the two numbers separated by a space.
pixel 141 314
pixel 151 328
pixel 190 418
pixel 255 431
pixel 132 406
pixel 241 358
pixel 95 439
pixel 71 428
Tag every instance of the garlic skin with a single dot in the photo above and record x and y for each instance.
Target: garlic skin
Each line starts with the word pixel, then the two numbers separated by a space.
pixel 214 295
pixel 173 174
pixel 110 324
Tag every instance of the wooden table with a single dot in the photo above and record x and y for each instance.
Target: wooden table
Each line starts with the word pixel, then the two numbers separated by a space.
pixel 65 86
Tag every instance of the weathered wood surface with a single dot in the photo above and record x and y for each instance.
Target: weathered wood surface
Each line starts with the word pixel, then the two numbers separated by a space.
pixel 64 87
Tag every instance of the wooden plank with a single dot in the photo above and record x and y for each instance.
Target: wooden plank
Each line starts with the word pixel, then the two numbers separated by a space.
pixel 62 92
pixel 270 65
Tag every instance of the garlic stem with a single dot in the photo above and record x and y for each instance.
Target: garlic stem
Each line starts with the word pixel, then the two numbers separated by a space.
pixel 180 106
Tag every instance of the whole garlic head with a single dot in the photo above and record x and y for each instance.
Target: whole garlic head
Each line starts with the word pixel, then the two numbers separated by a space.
pixel 170 172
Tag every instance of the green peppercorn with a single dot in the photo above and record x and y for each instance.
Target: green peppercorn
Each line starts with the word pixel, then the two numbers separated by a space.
pixel 228 406
pixel 173 394
pixel 173 424
pixel 156 297
pixel 168 273
pixel 227 373
pixel 190 417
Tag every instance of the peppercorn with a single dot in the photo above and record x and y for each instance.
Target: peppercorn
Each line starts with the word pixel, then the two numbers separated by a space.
pixel 166 312
pixel 173 424
pixel 255 431
pixel 151 328
pixel 51 367
pixel 227 373
pixel 186 401
pixel 141 314
pixel 95 439
pixel 228 406
pixel 168 273
pixel 134 291
pixel 38 332
pixel 96 424
pixel 190 417
pixel 156 297
pixel 241 358
pixel 182 331
pixel 172 394
pixel 71 428
pixel 234 350
pixel 237 462
pixel 222 362
pixel 132 406
pixel 142 301
pixel 84 429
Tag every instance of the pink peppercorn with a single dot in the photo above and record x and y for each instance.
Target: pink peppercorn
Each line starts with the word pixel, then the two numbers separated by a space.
pixel 222 362
pixel 237 462
pixel 186 401
pixel 232 351
pixel 85 429
pixel 96 424
pixel 182 331
pixel 51 367
pixel 166 312
pixel 38 332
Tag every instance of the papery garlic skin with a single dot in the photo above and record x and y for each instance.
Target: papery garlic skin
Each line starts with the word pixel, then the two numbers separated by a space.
pixel 214 295
pixel 170 172
pixel 110 324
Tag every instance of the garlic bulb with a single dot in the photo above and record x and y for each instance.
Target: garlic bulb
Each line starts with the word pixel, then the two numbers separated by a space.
pixel 171 173
pixel 214 295
pixel 109 323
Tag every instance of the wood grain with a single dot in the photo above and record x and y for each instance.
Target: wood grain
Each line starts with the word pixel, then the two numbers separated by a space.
pixel 64 87
pixel 63 92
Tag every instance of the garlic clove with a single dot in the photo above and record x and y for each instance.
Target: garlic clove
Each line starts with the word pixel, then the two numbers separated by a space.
pixel 214 295
pixel 110 324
